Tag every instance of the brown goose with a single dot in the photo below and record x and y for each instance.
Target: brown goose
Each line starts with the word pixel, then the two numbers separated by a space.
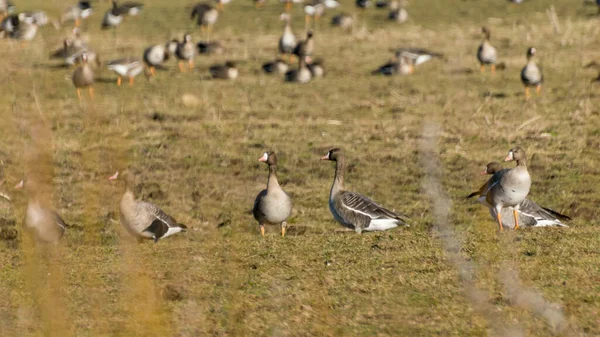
pixel 354 210
pixel 272 206
pixel 486 53
pixel 530 213
pixel 531 75
pixel 144 220
pixel 83 77
pixel 186 51
pixel 305 47
pixel 287 42
pixel 43 223
pixel 227 71
pixel 509 187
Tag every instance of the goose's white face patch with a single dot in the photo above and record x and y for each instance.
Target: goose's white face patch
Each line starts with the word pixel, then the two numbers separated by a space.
pixel 264 157
pixel 510 156
pixel 328 155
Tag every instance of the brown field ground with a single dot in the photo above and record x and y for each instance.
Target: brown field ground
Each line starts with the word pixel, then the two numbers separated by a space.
pixel 195 143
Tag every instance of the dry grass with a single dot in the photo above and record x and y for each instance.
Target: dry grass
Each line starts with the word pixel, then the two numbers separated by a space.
pixel 195 142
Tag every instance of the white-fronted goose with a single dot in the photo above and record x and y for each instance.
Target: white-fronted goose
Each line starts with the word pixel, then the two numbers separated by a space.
pixel 354 210
pixel 113 17
pixel 531 75
pixel 301 75
pixel 156 55
pixel 26 28
pixel 511 187
pixel 316 68
pixel 275 67
pixel 83 77
pixel 72 51
pixel 344 21
pixel 305 47
pixel 186 51
pixel 402 66
pixel 398 11
pixel 206 17
pixel 362 4
pixel 417 55
pixel 287 42
pixel 141 219
pixel 227 71
pixel 486 53
pixel 272 205
pixel 43 223
pixel 530 213
pixel 128 67
pixel 76 13
pixel 210 47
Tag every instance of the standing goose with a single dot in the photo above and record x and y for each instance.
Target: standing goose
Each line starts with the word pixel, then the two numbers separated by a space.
pixel 227 71
pixel 42 222
pixel 113 17
pixel 272 206
pixel 206 17
pixel 510 188
pixel 287 42
pixel 186 51
pixel 126 67
pixel 305 47
pixel 344 21
pixel 25 29
pixel 156 55
pixel 83 77
pixel 301 75
pixel 486 53
pixel 76 13
pixel 144 220
pixel 398 11
pixel 531 75
pixel 356 211
pixel 530 213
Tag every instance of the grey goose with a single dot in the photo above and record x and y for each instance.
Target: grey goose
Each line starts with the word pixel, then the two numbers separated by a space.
pixel 354 210
pixel 287 42
pixel 143 220
pixel 128 67
pixel 305 47
pixel 227 71
pixel 300 75
pixel 43 223
pixel 344 21
pixel 401 66
pixel 278 66
pixel 486 53
pixel 272 205
pixel 156 55
pixel 316 68
pixel 417 55
pixel 83 77
pixel 206 16
pixel 531 75
pixel 186 51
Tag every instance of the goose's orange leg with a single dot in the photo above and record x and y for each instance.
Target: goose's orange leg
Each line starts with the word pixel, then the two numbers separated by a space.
pixel 131 80
pixel 288 6
pixel 538 89
pixel 493 69
pixel 181 67
pixel 499 218
pixel 482 69
pixel 79 94
pixel 527 95
pixel 262 230
pixel 516 215
pixel 191 64
pixel 91 91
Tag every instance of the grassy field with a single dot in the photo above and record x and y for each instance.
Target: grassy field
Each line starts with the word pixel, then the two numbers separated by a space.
pixel 414 144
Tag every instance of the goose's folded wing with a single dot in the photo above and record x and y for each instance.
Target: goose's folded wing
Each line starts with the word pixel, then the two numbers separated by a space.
pixel 360 204
pixel 157 213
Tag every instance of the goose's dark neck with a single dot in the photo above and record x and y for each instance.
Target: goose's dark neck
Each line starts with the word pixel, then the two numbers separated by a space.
pixel 272 180
pixel 338 181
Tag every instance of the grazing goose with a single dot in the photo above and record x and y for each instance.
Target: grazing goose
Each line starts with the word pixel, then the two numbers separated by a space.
pixel 206 16
pixel 129 67
pixel 305 47
pixel 301 75
pixel 272 206
pixel 344 21
pixel 531 75
pixel 486 53
pixel 227 71
pixel 316 68
pixel 71 52
pixel 186 51
pixel 76 13
pixel 43 223
pixel 509 187
pixel 113 17
pixel 287 42
pixel 353 210
pixel 530 213
pixel 210 47
pixel 131 8
pixel 276 67
pixel 156 55
pixel 144 220
pixel 403 66
pixel 398 11
pixel 417 55
pixel 83 77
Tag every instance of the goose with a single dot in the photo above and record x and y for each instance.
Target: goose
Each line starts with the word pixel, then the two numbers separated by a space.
pixel 76 13
pixel 403 66
pixel 9 24
pixel 316 68
pixel 278 66
pixel 131 8
pixel 305 47
pixel 71 54
pixel 354 210
pixel 206 17
pixel 486 53
pixel 287 42
pixel 43 223
pixel 301 75
pixel 221 4
pixel 25 29
pixel 530 213
pixel 259 3
pixel 398 11
pixel 113 17
pixel 129 66
pixel 210 47
pixel 417 55
pixel 83 77
pixel 531 75
pixel 227 71
pixel 362 4
pixel 186 51
pixel 272 205
pixel 6 8
pixel 156 55
pixel 344 21
pixel 509 187
pixel 144 220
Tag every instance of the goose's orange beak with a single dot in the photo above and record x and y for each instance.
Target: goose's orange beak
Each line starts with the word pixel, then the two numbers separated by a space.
pixel 114 176
pixel 19 185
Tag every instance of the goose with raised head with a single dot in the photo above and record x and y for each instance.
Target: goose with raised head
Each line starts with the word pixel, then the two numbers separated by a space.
pixel 354 210
pixel 83 77
pixel 42 222
pixel 186 51
pixel 531 75
pixel 287 42
pixel 272 205
pixel 143 220
pixel 510 187
pixel 486 53
pixel 305 47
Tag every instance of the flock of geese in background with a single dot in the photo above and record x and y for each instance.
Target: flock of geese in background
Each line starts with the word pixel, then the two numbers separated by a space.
pixel 504 193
